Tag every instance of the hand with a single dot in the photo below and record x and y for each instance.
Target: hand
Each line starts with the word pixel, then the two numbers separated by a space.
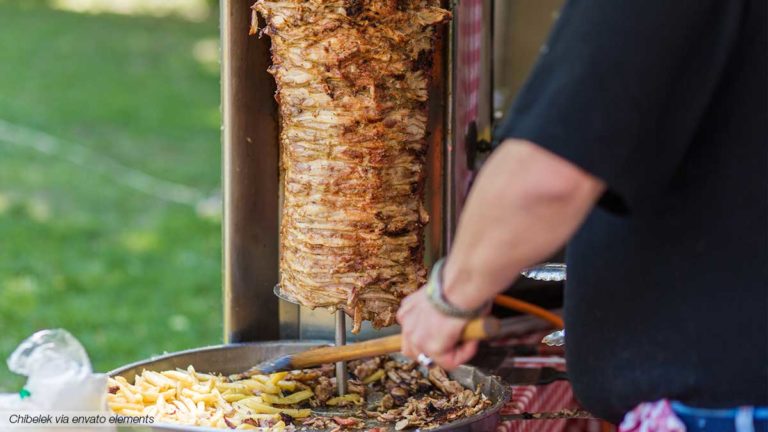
pixel 426 330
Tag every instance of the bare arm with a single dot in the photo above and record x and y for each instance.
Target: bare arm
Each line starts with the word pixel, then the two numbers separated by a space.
pixel 524 206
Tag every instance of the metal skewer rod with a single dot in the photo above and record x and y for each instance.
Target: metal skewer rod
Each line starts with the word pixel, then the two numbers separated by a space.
pixel 341 339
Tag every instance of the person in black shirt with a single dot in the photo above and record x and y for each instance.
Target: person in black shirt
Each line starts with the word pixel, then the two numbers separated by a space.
pixel 641 137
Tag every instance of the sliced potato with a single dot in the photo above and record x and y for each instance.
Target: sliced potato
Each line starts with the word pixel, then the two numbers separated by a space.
pixel 351 398
pixel 261 408
pixel 287 385
pixel 277 377
pixel 288 400
pixel 379 374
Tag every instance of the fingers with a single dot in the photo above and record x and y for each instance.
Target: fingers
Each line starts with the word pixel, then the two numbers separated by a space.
pixel 415 339
pixel 407 347
pixel 440 346
pixel 410 329
pixel 457 356
pixel 402 312
pixel 405 306
pixel 420 339
pixel 427 331
pixel 465 352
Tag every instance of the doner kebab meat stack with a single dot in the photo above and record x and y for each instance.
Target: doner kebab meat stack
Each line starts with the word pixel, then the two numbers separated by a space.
pixel 352 82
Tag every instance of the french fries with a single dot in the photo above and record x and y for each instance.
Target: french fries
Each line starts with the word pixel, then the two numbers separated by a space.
pixel 192 398
pixel 379 374
pixel 288 400
pixel 347 399
pixel 262 408
pixel 287 385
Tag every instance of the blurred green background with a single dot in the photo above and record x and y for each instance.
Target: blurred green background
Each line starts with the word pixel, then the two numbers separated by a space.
pixel 109 176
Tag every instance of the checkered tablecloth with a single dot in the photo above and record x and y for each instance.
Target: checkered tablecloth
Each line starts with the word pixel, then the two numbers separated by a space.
pixel 548 398
pixel 502 356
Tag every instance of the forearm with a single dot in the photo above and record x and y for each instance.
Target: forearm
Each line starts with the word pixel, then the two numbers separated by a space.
pixel 524 206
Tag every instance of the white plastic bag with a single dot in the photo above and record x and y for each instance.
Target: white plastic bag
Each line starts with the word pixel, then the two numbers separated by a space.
pixel 60 379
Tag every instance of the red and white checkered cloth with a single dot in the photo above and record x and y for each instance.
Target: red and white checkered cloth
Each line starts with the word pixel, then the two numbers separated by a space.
pixel 469 47
pixel 549 398
pixel 533 398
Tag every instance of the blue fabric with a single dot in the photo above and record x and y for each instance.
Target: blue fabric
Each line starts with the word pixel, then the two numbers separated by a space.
pixel 744 419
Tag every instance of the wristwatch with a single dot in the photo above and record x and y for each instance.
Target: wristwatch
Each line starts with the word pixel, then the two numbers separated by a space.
pixel 437 298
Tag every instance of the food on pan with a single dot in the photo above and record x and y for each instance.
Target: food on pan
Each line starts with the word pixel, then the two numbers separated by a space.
pixel 352 84
pixel 387 393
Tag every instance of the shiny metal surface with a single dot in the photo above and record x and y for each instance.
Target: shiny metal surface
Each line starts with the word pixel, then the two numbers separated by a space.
pixel 230 359
pixel 320 324
pixel 556 338
pixel 312 323
pixel 250 178
pixel 341 339
pixel 437 181
pixel 424 360
pixel 284 296
pixel 549 272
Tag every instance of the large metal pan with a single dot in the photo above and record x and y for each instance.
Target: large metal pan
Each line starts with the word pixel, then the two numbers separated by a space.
pixel 229 359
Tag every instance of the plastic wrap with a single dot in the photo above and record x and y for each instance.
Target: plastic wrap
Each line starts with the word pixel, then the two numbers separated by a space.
pixel 59 379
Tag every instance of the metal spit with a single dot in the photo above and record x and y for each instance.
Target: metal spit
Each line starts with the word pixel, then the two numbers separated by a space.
pixel 459 107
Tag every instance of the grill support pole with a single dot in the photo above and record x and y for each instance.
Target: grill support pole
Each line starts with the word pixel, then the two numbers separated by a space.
pixel 341 339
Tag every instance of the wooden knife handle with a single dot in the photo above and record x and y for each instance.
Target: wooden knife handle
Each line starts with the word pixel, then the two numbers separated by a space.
pixel 477 329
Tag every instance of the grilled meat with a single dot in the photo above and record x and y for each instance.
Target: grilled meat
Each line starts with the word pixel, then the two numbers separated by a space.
pixel 387 402
pixel 438 377
pixel 413 401
pixel 355 386
pixel 365 368
pixel 319 423
pixel 309 375
pixel 352 79
pixel 324 389
pixel 348 421
pixel 283 401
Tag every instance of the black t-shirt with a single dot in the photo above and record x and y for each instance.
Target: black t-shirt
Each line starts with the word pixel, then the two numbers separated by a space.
pixel 667 102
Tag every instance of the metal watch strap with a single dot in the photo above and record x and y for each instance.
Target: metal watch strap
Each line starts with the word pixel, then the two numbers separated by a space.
pixel 437 298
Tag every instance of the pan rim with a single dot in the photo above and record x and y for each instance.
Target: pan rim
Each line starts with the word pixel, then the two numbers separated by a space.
pixel 491 411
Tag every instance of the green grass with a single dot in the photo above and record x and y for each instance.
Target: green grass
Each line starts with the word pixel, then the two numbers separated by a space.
pixel 129 274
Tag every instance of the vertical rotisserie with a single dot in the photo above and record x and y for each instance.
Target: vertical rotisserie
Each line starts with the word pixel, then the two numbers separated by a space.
pixel 352 84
